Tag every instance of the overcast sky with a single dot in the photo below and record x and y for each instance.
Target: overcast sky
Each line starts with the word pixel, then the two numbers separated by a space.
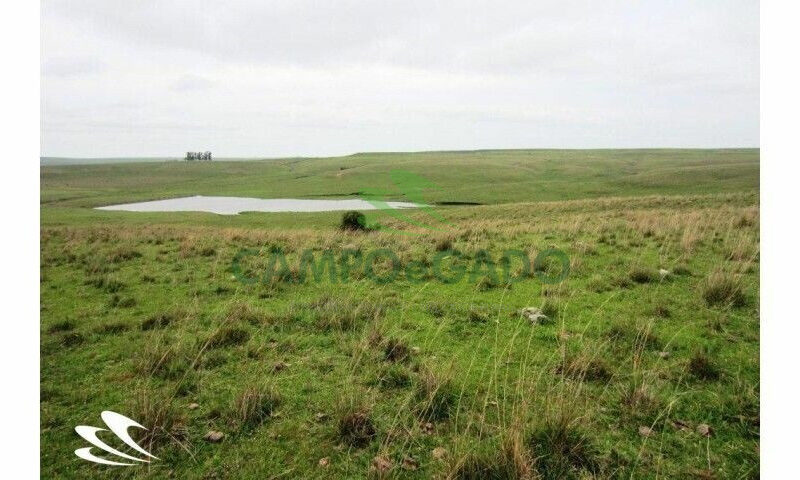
pixel 281 78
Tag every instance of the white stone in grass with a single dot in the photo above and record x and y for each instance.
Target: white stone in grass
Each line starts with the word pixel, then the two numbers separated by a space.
pixel 534 314
pixel 214 436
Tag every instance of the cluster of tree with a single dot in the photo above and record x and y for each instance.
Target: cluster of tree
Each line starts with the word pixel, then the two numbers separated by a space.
pixel 198 156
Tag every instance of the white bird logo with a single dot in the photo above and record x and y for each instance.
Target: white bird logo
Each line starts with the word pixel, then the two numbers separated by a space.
pixel 119 425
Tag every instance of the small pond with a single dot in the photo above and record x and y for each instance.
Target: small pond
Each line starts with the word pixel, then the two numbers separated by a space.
pixel 236 205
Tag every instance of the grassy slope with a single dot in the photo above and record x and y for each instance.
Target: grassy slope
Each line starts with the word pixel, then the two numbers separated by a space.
pixel 597 367
pixel 483 176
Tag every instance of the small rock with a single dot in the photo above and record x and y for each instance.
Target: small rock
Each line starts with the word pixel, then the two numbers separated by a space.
pixel 663 273
pixel 320 416
pixel 214 436
pixel 704 429
pixel 439 453
pixel 415 349
pixel 645 431
pixel 534 314
pixel 324 462
pixel 663 354
pixel 193 406
pixel 280 366
pixel 382 463
pixel 409 463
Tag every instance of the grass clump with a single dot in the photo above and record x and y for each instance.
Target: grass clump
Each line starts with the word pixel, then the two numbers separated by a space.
pixel 682 270
pixel 584 368
pixel 551 308
pixel 242 312
pixel 436 310
pixel 702 367
pixel 662 310
pixel 476 315
pixel 212 360
pixel 72 339
pixel 354 425
pixel 508 462
pixel 162 361
pixel 396 351
pixel 62 326
pixel 723 289
pixel 621 282
pixel 114 328
pixel 435 397
pixel 394 376
pixel 636 337
pixel 121 302
pixel 159 320
pixel 122 254
pixel 106 284
pixel 560 448
pixel 254 406
pixel 638 401
pixel 485 283
pixel 228 337
pixel 331 313
pixel 157 413
pixel 443 244
pixel 598 284
pixel 642 275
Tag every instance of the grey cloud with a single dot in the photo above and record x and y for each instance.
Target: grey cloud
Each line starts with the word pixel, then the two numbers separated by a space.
pixel 306 77
pixel 191 82
pixel 71 66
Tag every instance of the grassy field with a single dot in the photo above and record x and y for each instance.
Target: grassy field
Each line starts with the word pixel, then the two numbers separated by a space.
pixel 646 367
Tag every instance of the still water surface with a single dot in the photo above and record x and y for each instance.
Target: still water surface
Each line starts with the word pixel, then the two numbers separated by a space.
pixel 236 205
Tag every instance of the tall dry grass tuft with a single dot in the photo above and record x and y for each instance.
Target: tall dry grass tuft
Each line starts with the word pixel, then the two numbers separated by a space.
pixel 723 289
pixel 254 405
pixel 161 418
pixel 562 448
pixel 508 461
pixel 344 314
pixel 435 397
pixel 161 360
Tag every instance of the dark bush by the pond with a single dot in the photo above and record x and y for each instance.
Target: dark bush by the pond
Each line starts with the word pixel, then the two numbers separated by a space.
pixel 354 220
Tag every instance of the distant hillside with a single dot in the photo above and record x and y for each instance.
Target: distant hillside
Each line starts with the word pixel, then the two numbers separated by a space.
pixel 485 177
pixel 58 161
pixel 55 161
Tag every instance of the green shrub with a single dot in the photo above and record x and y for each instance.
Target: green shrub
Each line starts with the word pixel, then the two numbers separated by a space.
pixel 353 220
